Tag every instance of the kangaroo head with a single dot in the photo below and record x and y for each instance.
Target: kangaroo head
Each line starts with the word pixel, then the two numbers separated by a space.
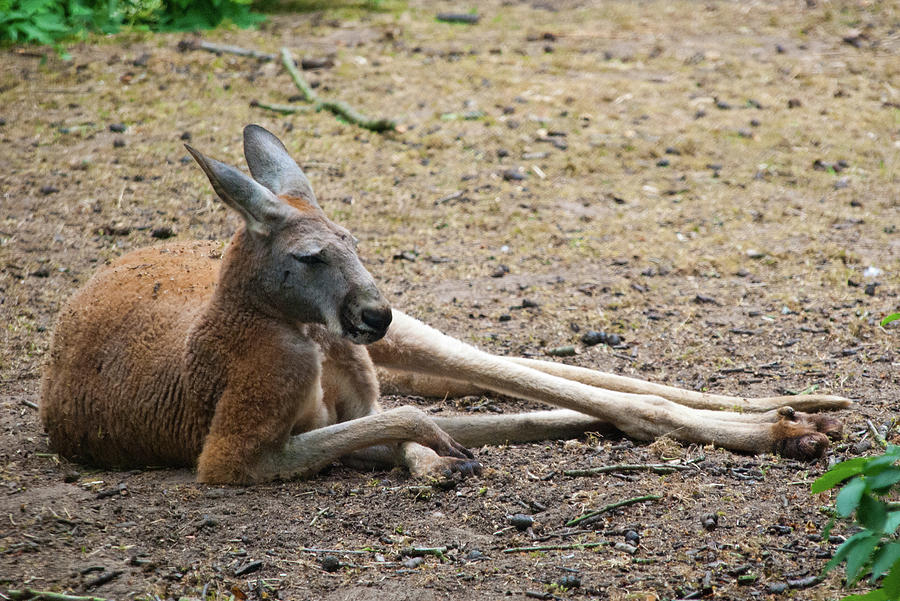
pixel 298 264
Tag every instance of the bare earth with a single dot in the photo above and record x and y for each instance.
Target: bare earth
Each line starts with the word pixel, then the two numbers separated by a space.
pixel 713 182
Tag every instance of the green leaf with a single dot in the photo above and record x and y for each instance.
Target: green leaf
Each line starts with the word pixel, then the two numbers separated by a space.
pixel 876 595
pixel 839 473
pixel 875 465
pixel 884 479
pixel 871 513
pixel 891 523
pixel 848 499
pixel 860 557
pixel 891 584
pixel 846 547
pixel 890 318
pixel 886 557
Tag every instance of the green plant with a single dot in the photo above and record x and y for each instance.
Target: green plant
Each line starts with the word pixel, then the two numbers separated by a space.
pixel 890 318
pixel 874 550
pixel 52 21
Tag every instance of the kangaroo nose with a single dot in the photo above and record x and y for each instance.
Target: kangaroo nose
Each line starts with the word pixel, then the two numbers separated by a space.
pixel 378 319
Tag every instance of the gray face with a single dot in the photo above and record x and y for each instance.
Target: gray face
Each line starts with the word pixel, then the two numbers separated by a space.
pixel 300 265
pixel 312 274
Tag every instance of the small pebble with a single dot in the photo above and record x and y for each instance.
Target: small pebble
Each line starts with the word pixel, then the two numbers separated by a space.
pixel 569 581
pixel 248 568
pixel 185 135
pixel 118 128
pixel 502 153
pixel 501 271
pixel 330 563
pixel 413 562
pixel 870 288
pixel 722 105
pixel 632 537
pixel 794 103
pixel 709 521
pixel 529 304
pixel 521 521
pixel 613 339
pixel 662 163
pixel 45 190
pixel 625 547
pixel 118 143
pixel 505 317
pixel 513 175
pixel 475 555
pixel 162 232
pixel 755 123
pixel 592 337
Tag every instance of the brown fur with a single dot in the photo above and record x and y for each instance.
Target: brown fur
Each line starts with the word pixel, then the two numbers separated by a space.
pixel 249 363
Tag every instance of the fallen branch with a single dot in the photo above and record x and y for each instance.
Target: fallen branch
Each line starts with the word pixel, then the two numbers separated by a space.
pixel 556 547
pixel 656 468
pixel 336 551
pixel 338 108
pixel 612 506
pixel 193 44
pixel 33 595
pixel 284 109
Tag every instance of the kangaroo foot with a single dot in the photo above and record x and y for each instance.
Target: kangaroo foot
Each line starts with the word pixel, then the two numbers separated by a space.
pixel 804 436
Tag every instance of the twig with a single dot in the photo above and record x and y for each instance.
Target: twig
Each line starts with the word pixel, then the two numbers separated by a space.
pixel 188 44
pixel 876 434
pixel 31 404
pixel 556 547
pixel 288 61
pixel 656 468
pixel 103 578
pixel 33 595
pixel 355 552
pixel 338 108
pixel 422 551
pixel 284 109
pixel 467 18
pixel 612 506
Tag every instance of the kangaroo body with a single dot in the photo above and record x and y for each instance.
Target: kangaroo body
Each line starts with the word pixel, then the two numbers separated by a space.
pixel 258 361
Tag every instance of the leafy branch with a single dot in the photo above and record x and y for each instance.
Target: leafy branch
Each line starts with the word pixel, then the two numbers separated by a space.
pixel 875 550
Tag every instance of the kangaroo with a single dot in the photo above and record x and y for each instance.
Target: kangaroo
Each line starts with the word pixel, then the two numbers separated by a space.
pixel 263 361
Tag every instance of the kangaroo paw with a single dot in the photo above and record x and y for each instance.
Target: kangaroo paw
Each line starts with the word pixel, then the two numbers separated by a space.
pixel 802 435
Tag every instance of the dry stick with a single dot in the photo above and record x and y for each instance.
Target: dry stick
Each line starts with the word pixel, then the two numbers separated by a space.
pixel 656 468
pixel 284 109
pixel 336 551
pixel 612 506
pixel 225 49
pixel 33 595
pixel 340 109
pixel 875 434
pixel 556 547
pixel 31 404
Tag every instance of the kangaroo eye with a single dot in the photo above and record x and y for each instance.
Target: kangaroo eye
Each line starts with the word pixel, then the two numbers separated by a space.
pixel 311 259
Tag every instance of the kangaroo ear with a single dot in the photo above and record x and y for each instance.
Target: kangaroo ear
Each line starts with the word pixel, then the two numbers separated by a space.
pixel 273 167
pixel 257 205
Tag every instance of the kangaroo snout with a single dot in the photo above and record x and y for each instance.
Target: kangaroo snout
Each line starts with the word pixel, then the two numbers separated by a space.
pixel 366 320
pixel 377 318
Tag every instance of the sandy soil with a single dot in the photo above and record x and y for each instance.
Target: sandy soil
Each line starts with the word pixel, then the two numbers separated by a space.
pixel 717 183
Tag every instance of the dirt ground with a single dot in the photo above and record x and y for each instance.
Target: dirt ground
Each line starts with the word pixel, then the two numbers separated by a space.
pixel 715 182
